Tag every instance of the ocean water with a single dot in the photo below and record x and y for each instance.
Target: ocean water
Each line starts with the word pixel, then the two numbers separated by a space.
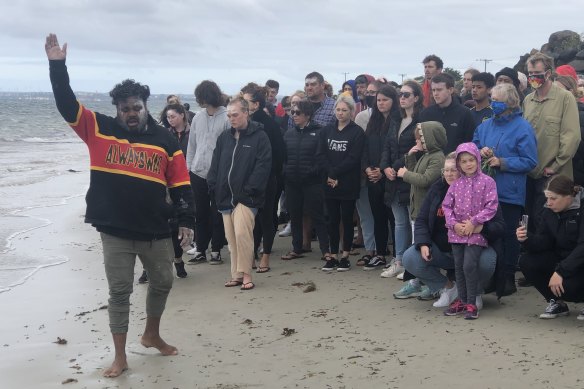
pixel 38 152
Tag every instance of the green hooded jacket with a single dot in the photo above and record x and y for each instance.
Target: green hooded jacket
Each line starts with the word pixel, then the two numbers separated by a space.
pixel 423 171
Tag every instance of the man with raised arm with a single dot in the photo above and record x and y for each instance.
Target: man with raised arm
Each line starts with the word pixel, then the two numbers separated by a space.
pixel 134 162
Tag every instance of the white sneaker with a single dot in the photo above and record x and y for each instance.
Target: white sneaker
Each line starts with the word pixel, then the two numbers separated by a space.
pixel 400 276
pixel 393 271
pixel 192 250
pixel 447 296
pixel 287 231
pixel 479 303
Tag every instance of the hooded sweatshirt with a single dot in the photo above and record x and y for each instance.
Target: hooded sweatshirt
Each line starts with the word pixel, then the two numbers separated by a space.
pixel 205 129
pixel 471 197
pixel 424 170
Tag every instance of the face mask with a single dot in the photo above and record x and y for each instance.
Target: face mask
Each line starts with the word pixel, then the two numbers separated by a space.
pixel 536 80
pixel 370 100
pixel 498 107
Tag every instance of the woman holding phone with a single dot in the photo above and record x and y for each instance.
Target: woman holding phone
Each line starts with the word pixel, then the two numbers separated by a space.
pixel 554 258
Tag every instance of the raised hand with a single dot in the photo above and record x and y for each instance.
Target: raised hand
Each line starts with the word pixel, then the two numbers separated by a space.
pixel 53 50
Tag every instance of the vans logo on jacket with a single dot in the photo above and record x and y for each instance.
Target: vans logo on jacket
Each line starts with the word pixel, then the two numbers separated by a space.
pixel 338 145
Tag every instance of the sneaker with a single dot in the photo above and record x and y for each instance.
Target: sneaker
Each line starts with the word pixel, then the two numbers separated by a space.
pixel 400 276
pixel 287 231
pixel 456 308
pixel 192 250
pixel 143 278
pixel 479 303
pixel 471 313
pixel 344 265
pixel 330 265
pixel 374 263
pixel 180 269
pixel 581 315
pixel 447 296
pixel 215 258
pixel 198 258
pixel 409 290
pixel 555 309
pixel 392 271
pixel 428 295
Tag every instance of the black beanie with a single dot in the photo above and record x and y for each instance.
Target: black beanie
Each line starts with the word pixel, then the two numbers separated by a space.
pixel 512 74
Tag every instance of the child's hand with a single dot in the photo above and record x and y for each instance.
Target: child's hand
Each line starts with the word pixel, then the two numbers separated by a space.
pixel 468 228
pixel 521 234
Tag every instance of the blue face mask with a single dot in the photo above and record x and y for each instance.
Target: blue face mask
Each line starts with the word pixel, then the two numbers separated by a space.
pixel 498 107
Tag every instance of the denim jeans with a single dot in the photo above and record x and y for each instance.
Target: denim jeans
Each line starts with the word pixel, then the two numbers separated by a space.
pixel 403 237
pixel 429 271
pixel 364 211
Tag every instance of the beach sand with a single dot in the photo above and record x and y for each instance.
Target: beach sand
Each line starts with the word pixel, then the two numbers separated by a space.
pixel 348 333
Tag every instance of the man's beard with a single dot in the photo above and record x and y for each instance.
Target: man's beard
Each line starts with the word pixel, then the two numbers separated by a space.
pixel 137 126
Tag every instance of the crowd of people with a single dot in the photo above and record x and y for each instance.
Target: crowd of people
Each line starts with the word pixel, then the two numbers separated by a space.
pixel 451 190
pixel 435 179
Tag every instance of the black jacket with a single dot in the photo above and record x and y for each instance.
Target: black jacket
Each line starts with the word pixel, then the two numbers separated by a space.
pixel 342 159
pixel 563 234
pixel 130 171
pixel 493 231
pixel 394 156
pixel 303 157
pixel 456 119
pixel 272 129
pixel 240 168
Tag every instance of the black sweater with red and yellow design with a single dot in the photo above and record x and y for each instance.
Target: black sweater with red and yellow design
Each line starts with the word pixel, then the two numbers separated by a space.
pixel 130 171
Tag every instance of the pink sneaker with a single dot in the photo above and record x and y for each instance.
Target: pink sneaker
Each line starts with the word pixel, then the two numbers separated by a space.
pixel 472 312
pixel 457 307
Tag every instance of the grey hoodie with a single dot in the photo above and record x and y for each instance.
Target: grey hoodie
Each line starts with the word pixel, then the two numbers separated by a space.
pixel 203 136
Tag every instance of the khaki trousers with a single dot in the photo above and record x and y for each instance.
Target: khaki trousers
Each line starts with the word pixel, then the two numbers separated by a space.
pixel 239 233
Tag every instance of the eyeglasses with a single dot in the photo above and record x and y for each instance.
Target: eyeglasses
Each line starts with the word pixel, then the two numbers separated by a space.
pixel 294 112
pixel 371 92
pixel 405 95
pixel 444 171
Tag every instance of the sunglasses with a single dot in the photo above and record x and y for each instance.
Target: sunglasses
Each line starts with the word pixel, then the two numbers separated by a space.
pixel 294 112
pixel 406 95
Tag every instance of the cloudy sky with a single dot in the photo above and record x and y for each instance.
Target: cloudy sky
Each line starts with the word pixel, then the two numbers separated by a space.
pixel 174 44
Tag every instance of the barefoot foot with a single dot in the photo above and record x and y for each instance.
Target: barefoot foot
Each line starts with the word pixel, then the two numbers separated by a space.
pixel 117 368
pixel 158 343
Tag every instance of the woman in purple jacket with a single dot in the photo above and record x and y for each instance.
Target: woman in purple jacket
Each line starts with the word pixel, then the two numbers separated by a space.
pixel 470 202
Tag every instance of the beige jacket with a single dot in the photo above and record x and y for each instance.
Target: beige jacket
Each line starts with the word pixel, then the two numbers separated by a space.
pixel 557 130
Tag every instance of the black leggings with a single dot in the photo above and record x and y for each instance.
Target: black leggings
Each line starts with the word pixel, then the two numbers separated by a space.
pixel 340 210
pixel 178 251
pixel 208 222
pixel 264 221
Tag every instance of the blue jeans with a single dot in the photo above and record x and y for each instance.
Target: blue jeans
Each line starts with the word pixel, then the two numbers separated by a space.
pixel 429 272
pixel 403 229
pixel 364 211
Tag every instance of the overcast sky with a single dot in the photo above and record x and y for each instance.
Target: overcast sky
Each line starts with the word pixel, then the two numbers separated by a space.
pixel 173 45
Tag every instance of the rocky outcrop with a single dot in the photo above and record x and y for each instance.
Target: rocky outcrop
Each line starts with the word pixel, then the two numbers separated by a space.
pixel 565 47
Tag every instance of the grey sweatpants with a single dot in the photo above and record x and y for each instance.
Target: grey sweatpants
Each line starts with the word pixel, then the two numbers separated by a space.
pixel 466 269
pixel 119 257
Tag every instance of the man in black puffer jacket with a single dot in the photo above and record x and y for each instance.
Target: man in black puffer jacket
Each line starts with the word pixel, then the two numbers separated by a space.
pixel 237 179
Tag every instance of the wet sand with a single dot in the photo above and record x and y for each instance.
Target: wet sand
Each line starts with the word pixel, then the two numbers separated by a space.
pixel 348 333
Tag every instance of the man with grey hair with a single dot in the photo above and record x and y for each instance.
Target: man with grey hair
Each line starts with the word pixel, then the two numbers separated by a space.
pixel 553 113
pixel 237 179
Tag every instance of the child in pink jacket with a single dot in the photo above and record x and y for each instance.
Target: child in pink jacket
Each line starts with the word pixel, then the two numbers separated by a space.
pixel 470 202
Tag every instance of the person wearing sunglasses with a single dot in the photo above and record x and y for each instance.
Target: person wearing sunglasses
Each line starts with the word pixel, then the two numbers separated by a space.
pixel 553 114
pixel 304 178
pixel 397 190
